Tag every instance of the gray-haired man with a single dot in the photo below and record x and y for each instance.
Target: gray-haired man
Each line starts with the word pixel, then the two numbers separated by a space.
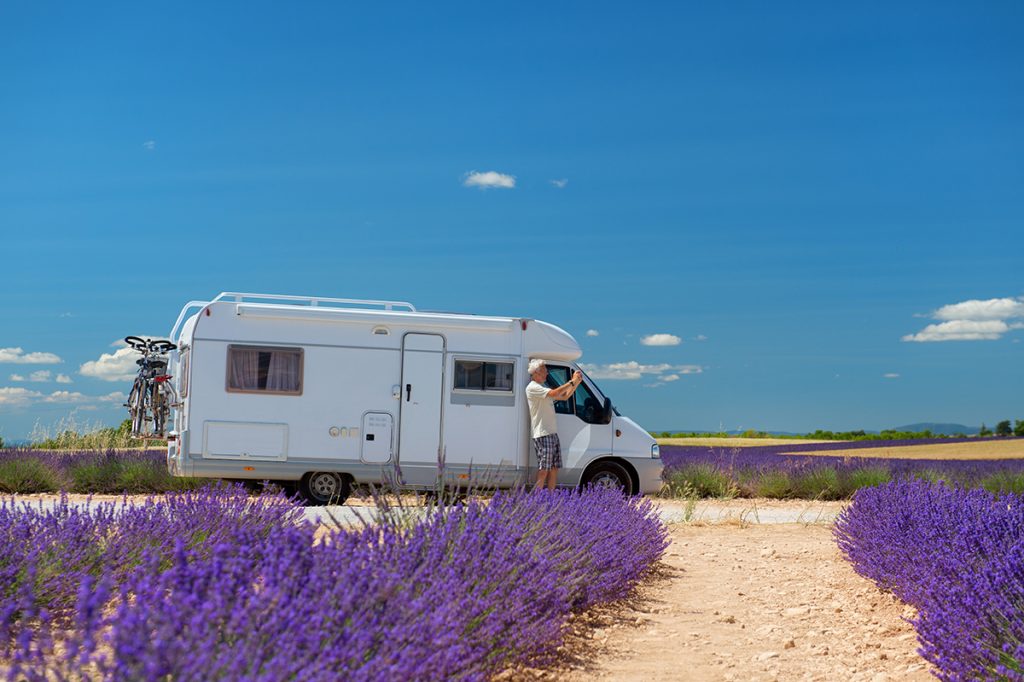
pixel 543 425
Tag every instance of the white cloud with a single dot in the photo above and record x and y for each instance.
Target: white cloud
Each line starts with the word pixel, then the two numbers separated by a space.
pixel 634 370
pixel 992 309
pixel 560 183
pixel 670 377
pixel 891 375
pixel 960 330
pixel 64 379
pixel 17 377
pixel 700 337
pixel 20 357
pixel 661 340
pixel 149 145
pixel 67 397
pixel 40 375
pixel 17 397
pixel 593 332
pixel 973 320
pixel 117 366
pixel 488 180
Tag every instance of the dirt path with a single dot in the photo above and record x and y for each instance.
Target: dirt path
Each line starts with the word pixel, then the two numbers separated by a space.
pixel 758 602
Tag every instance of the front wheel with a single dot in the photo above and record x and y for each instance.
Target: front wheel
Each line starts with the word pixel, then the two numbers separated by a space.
pixel 324 487
pixel 610 475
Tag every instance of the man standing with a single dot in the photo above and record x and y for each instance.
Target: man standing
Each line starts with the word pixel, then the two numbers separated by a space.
pixel 543 425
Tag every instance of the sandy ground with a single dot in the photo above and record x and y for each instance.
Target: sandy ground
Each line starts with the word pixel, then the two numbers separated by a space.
pixel 746 602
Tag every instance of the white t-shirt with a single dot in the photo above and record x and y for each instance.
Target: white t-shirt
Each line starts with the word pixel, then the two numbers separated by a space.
pixel 542 410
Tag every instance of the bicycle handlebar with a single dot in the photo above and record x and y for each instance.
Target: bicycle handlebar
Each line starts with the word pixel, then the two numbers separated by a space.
pixel 146 346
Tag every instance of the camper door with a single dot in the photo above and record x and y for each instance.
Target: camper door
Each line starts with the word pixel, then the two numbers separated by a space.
pixel 419 440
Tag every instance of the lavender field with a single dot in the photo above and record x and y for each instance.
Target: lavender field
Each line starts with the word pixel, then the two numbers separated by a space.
pixel 957 556
pixel 24 470
pixel 218 584
pixel 780 471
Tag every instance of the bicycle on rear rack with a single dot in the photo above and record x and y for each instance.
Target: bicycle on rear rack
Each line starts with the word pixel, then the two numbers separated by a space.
pixel 152 395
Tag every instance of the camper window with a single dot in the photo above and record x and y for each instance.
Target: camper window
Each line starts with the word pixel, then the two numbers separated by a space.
pixel 254 369
pixel 479 375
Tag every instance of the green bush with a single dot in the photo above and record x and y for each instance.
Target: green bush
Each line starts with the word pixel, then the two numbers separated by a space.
pixel 774 484
pixel 866 478
pixel 818 484
pixel 27 476
pixel 703 480
pixel 1004 482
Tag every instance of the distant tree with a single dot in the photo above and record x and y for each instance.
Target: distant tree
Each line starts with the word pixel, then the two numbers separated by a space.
pixel 984 432
pixel 1003 428
pixel 2 441
pixel 1018 427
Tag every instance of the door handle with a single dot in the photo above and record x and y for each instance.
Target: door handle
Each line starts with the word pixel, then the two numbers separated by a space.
pixel 408 392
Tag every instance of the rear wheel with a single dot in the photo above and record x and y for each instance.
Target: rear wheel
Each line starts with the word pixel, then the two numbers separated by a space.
pixel 324 487
pixel 610 475
pixel 136 408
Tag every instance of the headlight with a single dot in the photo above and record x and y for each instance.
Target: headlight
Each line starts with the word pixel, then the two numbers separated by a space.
pixel 655 451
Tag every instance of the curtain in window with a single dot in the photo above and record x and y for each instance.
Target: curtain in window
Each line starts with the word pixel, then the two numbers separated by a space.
pixel 245 369
pixel 283 372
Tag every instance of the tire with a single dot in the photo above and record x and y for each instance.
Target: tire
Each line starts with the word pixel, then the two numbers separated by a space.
pixel 324 487
pixel 136 409
pixel 159 415
pixel 610 475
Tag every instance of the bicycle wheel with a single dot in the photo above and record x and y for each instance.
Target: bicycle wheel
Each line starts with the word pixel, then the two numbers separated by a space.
pixel 136 408
pixel 159 410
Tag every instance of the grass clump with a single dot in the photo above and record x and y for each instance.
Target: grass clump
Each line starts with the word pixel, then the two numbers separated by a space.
pixel 776 485
pixel 27 476
pixel 702 480
pixel 866 477
pixel 1004 482
pixel 821 483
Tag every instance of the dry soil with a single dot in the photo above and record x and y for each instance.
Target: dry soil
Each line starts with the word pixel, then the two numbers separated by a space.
pixel 746 602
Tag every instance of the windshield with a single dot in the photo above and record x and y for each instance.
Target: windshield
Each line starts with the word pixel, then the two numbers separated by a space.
pixel 587 401
pixel 601 395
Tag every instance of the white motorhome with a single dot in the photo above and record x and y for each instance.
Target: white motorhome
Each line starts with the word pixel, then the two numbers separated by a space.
pixel 331 393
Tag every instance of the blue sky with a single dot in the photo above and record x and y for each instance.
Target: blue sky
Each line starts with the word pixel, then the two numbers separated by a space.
pixel 817 208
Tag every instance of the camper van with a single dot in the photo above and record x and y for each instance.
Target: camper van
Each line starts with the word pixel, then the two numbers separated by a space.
pixel 331 393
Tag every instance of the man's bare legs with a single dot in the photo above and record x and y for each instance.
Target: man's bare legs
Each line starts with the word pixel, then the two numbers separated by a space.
pixel 546 478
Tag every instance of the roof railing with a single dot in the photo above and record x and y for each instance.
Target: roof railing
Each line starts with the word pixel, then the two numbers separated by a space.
pixel 313 301
pixel 284 299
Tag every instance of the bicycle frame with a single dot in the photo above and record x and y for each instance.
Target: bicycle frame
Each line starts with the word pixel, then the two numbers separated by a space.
pixel 152 395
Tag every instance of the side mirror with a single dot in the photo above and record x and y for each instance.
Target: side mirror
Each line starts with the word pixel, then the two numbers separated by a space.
pixel 606 418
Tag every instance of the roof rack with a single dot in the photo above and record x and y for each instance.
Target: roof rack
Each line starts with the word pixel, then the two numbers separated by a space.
pixel 313 301
pixel 283 299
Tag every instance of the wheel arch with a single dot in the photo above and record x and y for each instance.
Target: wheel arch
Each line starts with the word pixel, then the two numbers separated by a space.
pixel 634 477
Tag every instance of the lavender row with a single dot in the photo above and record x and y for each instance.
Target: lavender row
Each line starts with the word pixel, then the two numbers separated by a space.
pixel 218 585
pixel 957 556
pixel 768 471
pixel 87 471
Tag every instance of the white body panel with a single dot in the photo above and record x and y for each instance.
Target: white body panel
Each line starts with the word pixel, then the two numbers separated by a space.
pixel 378 397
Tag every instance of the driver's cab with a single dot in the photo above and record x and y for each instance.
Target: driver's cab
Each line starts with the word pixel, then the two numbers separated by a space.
pixel 598 444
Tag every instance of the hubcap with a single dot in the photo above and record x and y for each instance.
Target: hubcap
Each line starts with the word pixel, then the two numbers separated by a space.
pixel 607 479
pixel 324 486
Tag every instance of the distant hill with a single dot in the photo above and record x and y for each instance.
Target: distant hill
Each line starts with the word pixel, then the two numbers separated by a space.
pixel 940 429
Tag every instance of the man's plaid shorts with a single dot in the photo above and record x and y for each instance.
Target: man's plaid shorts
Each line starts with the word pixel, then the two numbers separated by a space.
pixel 549 452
